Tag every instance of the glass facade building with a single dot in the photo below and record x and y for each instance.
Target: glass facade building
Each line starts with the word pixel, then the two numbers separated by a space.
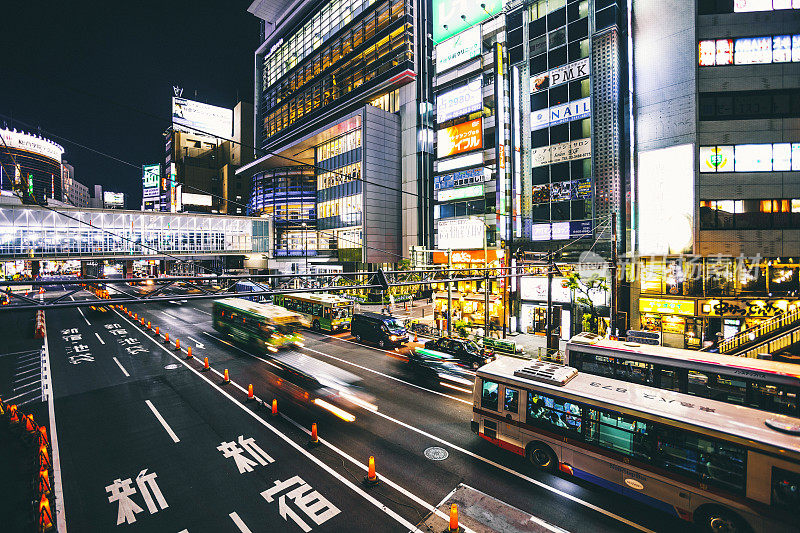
pixel 38 158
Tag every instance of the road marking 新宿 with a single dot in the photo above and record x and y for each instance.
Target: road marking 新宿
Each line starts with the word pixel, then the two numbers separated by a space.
pixel 121 367
pixel 161 419
pixel 239 523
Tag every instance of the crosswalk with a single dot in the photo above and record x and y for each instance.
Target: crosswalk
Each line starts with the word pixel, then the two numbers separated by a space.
pixel 26 382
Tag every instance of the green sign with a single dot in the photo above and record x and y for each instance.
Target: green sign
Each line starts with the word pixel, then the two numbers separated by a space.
pixel 454 16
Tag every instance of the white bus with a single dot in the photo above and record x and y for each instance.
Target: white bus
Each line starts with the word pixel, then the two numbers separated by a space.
pixel 729 468
pixel 761 384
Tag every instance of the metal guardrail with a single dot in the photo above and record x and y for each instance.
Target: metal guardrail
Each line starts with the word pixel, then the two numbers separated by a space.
pixel 752 334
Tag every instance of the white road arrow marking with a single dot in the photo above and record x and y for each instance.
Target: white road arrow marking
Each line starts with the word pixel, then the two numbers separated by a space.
pixel 197 342
pixel 285 511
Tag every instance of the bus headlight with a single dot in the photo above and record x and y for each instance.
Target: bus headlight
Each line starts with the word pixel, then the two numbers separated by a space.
pixel 393 338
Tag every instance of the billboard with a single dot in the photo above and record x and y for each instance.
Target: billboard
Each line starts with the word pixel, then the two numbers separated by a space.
pixel 151 176
pixel 459 193
pixel 31 143
pixel 460 178
pixel 558 114
pixel 459 101
pixel 451 17
pixel 197 117
pixel 666 200
pixel 556 231
pixel 460 138
pixel 113 198
pixel 557 76
pixel 468 160
pixel 464 233
pixel 561 152
pixel 458 49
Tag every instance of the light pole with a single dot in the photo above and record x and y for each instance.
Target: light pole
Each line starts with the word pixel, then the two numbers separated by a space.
pixel 305 246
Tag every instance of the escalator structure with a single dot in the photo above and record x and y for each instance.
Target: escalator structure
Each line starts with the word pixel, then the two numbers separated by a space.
pixel 777 338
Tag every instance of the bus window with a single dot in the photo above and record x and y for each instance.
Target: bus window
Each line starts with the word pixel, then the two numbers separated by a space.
pixel 717 387
pixel 785 489
pixel 489 395
pixel 634 371
pixel 317 308
pixel 326 313
pixel 599 365
pixel 511 400
pixel 669 379
pixel 620 433
pixel 774 398
pixel 711 461
pixel 554 414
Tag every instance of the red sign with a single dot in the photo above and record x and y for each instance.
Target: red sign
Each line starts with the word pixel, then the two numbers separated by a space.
pixel 467 256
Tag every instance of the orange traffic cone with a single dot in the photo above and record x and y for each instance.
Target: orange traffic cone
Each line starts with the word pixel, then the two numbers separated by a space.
pixel 314 437
pixel 2 407
pixel 205 368
pixel 372 477
pixel 250 395
pixel 453 518
pixel 44 481
pixel 45 516
pixel 226 378
pixel 148 325
pixel 44 457
pixel 189 352
pixel 30 425
pixel 43 440
pixel 166 338
pixel 274 407
pixel 157 330
pixel 178 345
pixel 416 338
pixel 13 417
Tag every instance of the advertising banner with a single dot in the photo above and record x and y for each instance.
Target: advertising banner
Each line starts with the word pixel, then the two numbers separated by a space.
pixel 468 160
pixel 462 233
pixel 534 288
pixel 201 118
pixel 459 193
pixel 451 17
pixel 572 71
pixel 561 152
pixel 459 101
pixel 460 138
pixel 113 198
pixel 556 231
pixel 558 114
pixel 31 143
pixel 460 178
pixel 458 49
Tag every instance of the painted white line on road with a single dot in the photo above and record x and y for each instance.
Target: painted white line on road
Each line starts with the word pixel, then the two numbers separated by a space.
pixel 98 338
pixel 71 298
pixel 47 388
pixel 28 364
pixel 201 311
pixel 168 315
pixel 239 523
pixel 160 418
pixel 27 352
pixel 387 376
pixel 27 385
pixel 26 371
pixel 121 367
pixel 197 342
pixel 84 316
pixel 18 380
pixel 6 400
pixel 345 481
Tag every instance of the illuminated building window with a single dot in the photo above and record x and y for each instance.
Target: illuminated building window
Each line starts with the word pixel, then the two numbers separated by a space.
pixel 750 158
pixel 749 50
pixel 781 213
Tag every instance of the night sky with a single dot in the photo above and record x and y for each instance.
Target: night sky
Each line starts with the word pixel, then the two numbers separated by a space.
pixel 101 74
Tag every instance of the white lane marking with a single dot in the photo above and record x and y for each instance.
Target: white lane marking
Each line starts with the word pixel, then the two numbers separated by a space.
pixel 345 481
pixel 26 371
pixel 387 376
pixel 515 473
pixel 84 316
pixel 239 523
pixel 395 486
pixel 27 352
pixel 27 385
pixel 47 388
pixel 71 298
pixel 201 311
pixel 6 400
pixel 160 418
pixel 29 364
pixel 26 378
pixel 168 315
pixel 98 338
pixel 197 342
pixel 121 367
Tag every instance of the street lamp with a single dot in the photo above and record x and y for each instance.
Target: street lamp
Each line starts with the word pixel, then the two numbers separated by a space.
pixel 305 246
pixel 485 276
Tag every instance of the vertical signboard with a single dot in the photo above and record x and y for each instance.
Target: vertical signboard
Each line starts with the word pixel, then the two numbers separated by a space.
pixel 458 49
pixel 451 17
pixel 460 138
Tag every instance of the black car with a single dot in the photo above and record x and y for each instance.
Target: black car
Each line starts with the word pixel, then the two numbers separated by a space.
pixel 383 330
pixel 466 352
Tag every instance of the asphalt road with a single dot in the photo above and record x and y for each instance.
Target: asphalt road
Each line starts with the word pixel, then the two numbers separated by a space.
pixel 113 409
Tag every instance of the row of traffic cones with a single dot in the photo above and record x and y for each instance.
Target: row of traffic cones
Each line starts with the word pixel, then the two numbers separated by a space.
pixel 35 437
pixel 39 333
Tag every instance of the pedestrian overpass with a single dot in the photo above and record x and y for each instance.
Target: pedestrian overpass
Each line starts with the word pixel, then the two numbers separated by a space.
pixel 67 233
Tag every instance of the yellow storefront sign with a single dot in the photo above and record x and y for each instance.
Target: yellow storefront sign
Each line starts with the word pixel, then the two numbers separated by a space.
pixel 666 307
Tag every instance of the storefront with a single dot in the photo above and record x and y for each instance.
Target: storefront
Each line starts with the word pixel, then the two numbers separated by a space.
pixel 533 305
pixel 674 319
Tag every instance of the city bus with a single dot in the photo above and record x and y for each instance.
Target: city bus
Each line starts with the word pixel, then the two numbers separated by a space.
pixel 262 325
pixel 728 468
pixel 761 384
pixel 320 312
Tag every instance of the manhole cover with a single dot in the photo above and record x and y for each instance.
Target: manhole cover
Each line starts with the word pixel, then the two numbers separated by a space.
pixel 435 453
pixel 173 366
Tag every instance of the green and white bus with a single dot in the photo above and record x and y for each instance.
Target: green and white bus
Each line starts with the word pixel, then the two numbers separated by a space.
pixel 262 325
pixel 320 312
pixel 729 468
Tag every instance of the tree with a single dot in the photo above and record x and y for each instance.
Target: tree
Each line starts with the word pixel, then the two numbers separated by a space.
pixel 585 287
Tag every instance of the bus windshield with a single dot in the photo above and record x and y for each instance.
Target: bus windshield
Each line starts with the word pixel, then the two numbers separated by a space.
pixel 340 312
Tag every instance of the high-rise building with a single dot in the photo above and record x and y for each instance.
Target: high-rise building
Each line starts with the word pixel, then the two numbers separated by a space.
pixel 340 89
pixel 73 192
pixel 204 146
pixel 30 166
pixel 717 175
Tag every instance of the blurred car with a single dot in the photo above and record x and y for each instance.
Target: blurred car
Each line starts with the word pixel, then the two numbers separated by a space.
pixel 465 352
pixel 447 370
